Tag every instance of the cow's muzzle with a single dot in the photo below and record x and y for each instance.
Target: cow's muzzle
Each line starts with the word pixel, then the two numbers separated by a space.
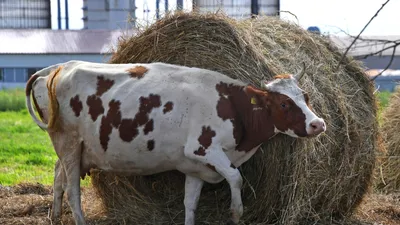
pixel 316 127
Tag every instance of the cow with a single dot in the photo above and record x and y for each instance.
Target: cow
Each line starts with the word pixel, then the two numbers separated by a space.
pixel 142 119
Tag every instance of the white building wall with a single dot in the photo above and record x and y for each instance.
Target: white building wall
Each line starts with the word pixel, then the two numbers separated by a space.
pixel 237 8
pixel 108 14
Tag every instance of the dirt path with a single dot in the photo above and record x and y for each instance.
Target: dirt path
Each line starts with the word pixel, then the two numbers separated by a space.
pixel 31 203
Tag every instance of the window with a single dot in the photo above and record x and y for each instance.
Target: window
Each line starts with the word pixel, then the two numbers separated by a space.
pixel 31 71
pixel 9 75
pixel 20 75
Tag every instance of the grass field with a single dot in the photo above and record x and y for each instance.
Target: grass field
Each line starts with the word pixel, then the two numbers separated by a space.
pixel 12 100
pixel 26 153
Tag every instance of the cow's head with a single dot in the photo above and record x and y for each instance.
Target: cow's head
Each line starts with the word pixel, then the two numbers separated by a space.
pixel 289 108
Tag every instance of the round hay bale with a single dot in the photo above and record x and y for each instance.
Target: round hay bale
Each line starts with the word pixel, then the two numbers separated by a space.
pixel 288 181
pixel 388 178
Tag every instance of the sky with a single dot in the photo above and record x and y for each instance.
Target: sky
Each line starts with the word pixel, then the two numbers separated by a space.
pixel 348 15
pixel 331 16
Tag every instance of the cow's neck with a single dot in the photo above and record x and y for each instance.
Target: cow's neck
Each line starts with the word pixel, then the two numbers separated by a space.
pixel 254 120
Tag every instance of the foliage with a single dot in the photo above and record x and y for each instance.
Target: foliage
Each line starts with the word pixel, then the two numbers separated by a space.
pixel 12 99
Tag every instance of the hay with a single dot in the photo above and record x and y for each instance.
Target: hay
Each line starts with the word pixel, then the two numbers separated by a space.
pixel 388 178
pixel 289 181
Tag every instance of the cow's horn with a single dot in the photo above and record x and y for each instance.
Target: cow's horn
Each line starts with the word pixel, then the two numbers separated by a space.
pixel 299 75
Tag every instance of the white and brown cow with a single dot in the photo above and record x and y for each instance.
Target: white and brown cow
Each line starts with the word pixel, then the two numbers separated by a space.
pixel 143 119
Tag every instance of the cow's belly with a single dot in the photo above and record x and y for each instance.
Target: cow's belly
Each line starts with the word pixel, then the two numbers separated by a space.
pixel 132 164
pixel 139 162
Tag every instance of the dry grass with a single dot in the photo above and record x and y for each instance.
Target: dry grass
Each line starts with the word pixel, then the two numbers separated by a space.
pixel 31 203
pixel 289 181
pixel 388 175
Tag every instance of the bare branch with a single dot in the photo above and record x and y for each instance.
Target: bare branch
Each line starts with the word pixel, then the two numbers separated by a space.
pixel 394 46
pixel 365 27
pixel 388 65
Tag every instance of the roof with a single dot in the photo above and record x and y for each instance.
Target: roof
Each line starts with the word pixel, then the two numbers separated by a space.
pixel 47 41
pixel 367 44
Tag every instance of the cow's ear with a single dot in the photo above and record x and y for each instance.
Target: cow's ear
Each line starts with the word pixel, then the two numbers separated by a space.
pixel 257 97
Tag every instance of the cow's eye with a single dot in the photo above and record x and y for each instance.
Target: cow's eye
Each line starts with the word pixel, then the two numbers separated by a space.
pixel 283 105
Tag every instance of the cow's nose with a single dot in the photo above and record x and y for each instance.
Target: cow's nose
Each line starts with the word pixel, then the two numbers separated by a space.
pixel 317 126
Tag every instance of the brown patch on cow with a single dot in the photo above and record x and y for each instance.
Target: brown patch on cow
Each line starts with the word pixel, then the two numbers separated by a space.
pixel 95 106
pixel 283 76
pixel 288 117
pixel 168 107
pixel 137 71
pixel 150 145
pixel 148 127
pixel 128 129
pixel 205 140
pixel 112 119
pixel 200 151
pixel 251 125
pixel 76 105
pixel 206 136
pixel 226 108
pixel 103 85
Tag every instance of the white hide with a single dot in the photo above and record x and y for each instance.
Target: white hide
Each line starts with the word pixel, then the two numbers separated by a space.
pixel 194 96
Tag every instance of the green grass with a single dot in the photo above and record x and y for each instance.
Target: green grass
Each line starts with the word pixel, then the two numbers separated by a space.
pixel 383 101
pixel 12 100
pixel 26 152
pixel 384 98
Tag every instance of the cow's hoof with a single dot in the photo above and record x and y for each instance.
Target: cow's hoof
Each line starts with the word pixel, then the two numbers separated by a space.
pixel 230 222
pixel 56 221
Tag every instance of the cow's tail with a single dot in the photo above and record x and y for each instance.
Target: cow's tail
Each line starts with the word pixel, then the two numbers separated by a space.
pixel 28 90
pixel 53 103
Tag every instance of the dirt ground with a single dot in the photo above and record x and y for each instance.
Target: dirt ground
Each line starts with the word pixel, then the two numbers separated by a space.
pixel 31 203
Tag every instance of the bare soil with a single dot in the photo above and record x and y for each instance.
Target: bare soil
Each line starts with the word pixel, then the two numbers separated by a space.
pixel 31 203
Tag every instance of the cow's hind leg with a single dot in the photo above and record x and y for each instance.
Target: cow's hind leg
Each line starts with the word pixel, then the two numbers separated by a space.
pixel 58 191
pixel 193 187
pixel 68 148
pixel 220 161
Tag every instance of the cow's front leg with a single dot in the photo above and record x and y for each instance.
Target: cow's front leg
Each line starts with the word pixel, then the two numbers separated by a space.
pixel 220 161
pixel 193 186
pixel 233 177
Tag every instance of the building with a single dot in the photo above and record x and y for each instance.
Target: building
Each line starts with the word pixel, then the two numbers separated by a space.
pixel 25 14
pixel 238 8
pixel 109 14
pixel 375 63
pixel 23 52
